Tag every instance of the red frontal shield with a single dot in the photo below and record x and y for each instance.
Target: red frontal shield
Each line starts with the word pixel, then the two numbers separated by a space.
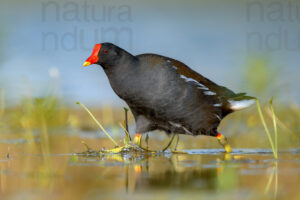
pixel 94 57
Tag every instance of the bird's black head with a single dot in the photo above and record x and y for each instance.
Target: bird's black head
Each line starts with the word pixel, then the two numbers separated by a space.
pixel 105 54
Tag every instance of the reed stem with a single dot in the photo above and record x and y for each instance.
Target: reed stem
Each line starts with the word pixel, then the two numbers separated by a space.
pixel 274 125
pixel 266 129
pixel 101 127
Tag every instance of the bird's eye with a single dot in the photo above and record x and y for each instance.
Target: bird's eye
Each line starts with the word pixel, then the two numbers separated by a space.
pixel 105 51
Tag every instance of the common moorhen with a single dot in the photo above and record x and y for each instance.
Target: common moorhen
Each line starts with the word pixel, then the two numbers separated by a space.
pixel 165 94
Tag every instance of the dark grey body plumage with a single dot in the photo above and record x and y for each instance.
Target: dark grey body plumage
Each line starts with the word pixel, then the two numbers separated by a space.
pixel 161 95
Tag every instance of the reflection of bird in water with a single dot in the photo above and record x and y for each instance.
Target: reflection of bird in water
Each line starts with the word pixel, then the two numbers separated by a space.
pixel 180 171
pixel 165 94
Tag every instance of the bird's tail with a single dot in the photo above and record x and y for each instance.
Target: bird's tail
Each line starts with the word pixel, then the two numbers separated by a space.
pixel 241 101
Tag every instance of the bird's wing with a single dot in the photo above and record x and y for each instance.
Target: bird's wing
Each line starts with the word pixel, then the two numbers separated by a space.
pixel 229 99
pixel 189 73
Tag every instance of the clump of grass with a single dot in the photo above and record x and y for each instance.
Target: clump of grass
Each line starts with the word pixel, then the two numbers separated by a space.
pixel 97 122
pixel 118 149
pixel 32 111
pixel 274 146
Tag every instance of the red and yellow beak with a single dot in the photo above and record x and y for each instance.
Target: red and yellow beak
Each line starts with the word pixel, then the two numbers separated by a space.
pixel 94 57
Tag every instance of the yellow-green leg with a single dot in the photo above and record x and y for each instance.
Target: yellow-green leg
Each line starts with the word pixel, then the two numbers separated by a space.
pixel 177 141
pixel 138 139
pixel 223 141
pixel 170 142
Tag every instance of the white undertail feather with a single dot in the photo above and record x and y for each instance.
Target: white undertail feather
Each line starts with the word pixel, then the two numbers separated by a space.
pixel 240 104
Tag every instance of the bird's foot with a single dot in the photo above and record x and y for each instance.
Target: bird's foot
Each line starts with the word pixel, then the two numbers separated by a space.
pixel 227 148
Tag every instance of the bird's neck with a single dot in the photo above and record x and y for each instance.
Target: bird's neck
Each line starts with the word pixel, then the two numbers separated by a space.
pixel 122 73
pixel 121 65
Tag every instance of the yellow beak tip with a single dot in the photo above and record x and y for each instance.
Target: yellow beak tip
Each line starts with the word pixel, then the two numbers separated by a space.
pixel 86 64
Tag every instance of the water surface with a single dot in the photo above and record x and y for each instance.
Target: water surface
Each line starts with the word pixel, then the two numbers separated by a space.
pixel 26 173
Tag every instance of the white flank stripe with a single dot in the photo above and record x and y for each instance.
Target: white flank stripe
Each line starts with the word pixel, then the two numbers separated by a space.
pixel 187 131
pixel 174 67
pixel 175 124
pixel 199 85
pixel 217 105
pixel 209 93
pixel 203 88
pixel 218 117
pixel 189 79
pixel 238 105
pixel 180 126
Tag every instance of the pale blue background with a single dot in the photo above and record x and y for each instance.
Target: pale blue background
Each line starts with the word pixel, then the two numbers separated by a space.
pixel 209 36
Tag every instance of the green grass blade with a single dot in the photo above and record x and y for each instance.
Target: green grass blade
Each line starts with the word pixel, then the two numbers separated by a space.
pixel 126 133
pixel 267 188
pixel 275 126
pixel 266 128
pixel 87 146
pixel 101 127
